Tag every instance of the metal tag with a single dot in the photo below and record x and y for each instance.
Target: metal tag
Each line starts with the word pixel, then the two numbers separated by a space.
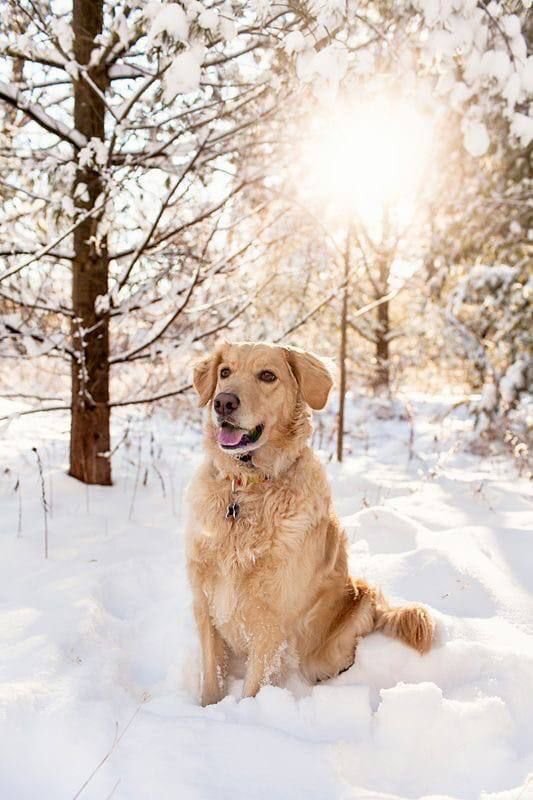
pixel 232 511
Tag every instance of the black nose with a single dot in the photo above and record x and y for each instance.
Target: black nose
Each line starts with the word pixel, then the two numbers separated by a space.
pixel 226 404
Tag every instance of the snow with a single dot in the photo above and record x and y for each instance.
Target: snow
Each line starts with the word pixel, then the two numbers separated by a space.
pixel 294 42
pixel 67 205
pixel 489 397
pixel 484 281
pixel 64 34
pixel 527 75
pixel 184 74
pixel 227 27
pixel 169 19
pixel 12 94
pixel 484 47
pixel 494 9
pixel 208 20
pixel 522 128
pixel 95 152
pixel 518 45
pixel 514 380
pixel 496 64
pixel 511 25
pixel 99 655
pixel 511 92
pixel 123 31
pixel 476 138
pixel 102 304
pixel 329 65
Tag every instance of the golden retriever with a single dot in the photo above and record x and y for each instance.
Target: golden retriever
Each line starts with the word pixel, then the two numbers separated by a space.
pixel 266 556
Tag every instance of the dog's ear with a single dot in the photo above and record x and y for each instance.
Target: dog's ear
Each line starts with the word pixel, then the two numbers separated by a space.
pixel 312 375
pixel 204 376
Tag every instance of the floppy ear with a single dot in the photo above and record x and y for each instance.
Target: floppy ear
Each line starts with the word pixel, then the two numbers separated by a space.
pixel 312 376
pixel 204 376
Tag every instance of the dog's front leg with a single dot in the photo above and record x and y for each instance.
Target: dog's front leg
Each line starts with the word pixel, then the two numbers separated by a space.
pixel 214 656
pixel 266 661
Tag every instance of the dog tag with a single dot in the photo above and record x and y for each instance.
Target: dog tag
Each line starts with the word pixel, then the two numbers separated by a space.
pixel 232 511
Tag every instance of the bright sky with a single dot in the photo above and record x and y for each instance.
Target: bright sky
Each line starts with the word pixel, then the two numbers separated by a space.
pixel 369 157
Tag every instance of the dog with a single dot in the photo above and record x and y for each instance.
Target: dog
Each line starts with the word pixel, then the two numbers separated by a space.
pixel 266 555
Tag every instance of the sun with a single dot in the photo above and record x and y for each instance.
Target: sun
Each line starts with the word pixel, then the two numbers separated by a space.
pixel 368 159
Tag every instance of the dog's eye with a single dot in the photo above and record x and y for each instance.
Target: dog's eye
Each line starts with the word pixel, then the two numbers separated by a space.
pixel 225 372
pixel 266 376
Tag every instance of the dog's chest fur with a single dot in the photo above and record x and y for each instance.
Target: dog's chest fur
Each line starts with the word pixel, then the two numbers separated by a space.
pixel 247 563
pixel 269 515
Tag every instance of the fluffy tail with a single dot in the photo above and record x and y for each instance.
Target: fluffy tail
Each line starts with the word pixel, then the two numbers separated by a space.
pixel 363 610
pixel 411 624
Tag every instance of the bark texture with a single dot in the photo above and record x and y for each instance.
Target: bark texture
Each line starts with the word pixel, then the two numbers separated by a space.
pixel 382 328
pixel 90 427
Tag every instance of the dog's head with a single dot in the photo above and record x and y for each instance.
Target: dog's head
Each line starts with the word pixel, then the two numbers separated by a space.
pixel 259 394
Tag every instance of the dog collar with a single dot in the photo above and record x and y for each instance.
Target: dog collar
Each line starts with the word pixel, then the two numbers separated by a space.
pixel 244 481
pixel 241 482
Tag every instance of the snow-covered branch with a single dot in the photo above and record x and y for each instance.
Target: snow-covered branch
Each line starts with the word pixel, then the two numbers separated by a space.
pixel 48 248
pixel 161 328
pixel 14 97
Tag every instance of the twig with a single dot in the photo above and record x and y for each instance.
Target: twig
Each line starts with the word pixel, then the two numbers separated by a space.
pixel 442 416
pixel 161 480
pixel 17 414
pixel 154 399
pixel 116 741
pixel 13 97
pixel 113 790
pixel 43 499
pixel 18 490
pixel 14 395
pixel 140 249
pixel 359 313
pixel 47 248
pixel 154 337
pixel 136 482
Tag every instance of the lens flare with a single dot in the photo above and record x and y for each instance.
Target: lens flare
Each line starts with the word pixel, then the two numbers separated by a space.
pixel 368 159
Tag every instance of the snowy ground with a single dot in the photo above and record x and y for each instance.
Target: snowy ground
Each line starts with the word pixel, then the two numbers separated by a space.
pixel 99 658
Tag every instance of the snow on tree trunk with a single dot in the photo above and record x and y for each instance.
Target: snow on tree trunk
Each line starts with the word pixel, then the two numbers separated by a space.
pixel 90 433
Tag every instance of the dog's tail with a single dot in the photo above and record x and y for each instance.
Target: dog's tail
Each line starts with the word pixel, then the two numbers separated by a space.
pixel 411 624
pixel 365 610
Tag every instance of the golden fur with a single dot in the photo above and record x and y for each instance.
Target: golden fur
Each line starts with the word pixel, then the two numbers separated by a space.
pixel 272 587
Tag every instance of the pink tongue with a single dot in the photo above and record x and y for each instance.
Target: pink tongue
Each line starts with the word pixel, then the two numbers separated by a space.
pixel 229 436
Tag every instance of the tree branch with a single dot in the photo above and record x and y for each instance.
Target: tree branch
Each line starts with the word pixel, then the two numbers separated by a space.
pixel 13 97
pixel 141 400
pixel 17 414
pixel 143 245
pixel 361 332
pixel 175 314
pixel 48 248
pixel 200 218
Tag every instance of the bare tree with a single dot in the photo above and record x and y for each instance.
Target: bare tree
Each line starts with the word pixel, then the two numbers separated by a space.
pixel 375 259
pixel 126 130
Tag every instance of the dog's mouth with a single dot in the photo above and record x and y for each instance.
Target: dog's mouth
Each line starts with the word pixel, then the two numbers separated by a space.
pixel 230 437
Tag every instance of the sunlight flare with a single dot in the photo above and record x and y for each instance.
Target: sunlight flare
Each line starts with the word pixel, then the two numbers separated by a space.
pixel 369 159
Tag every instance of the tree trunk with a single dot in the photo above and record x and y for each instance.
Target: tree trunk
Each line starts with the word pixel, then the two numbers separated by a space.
pixel 342 353
pixel 382 332
pixel 90 435
pixel 382 379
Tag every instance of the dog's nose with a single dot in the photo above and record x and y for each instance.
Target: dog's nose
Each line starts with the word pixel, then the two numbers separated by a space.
pixel 226 403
